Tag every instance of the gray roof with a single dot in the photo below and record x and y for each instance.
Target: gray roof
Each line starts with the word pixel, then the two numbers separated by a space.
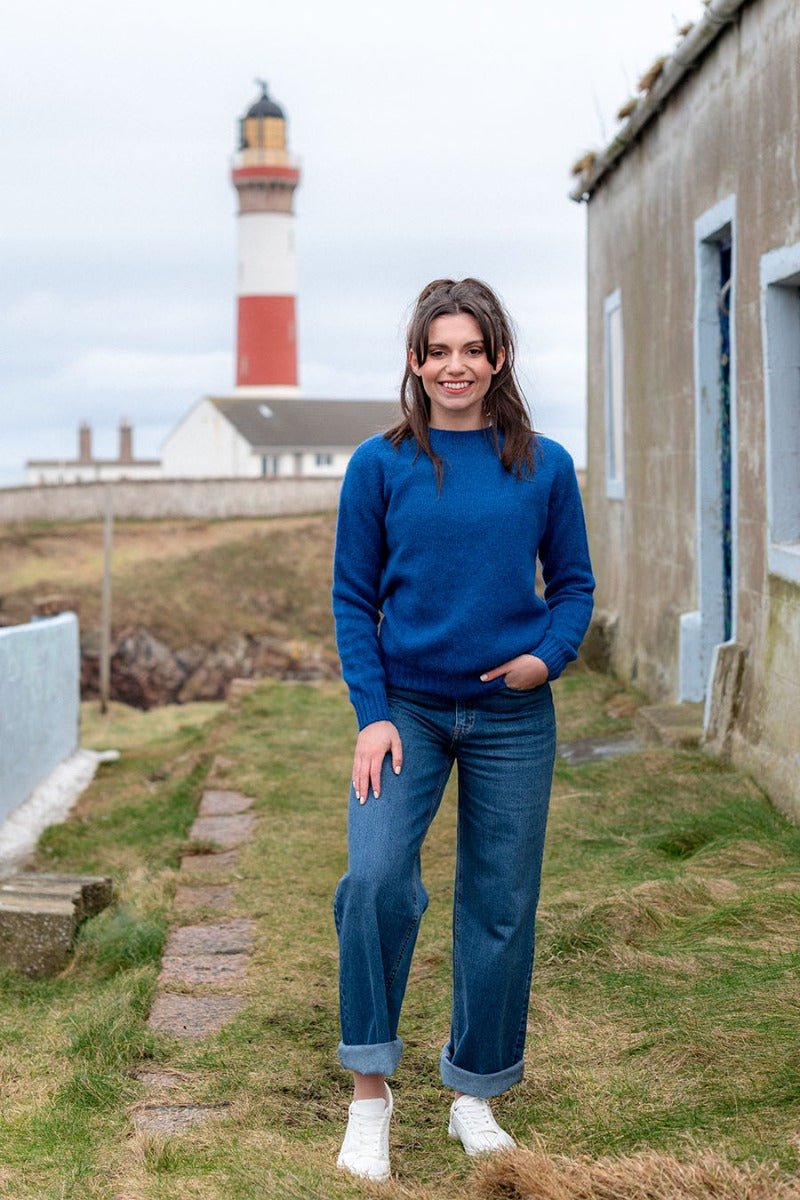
pixel 307 424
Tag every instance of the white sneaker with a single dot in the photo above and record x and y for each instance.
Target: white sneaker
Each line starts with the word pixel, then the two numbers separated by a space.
pixel 471 1120
pixel 365 1149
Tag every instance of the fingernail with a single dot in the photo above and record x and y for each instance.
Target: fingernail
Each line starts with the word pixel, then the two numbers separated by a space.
pixel 376 794
pixel 362 799
pixel 397 770
pixel 484 678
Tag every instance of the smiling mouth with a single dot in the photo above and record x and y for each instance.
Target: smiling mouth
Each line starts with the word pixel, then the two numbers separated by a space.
pixel 456 387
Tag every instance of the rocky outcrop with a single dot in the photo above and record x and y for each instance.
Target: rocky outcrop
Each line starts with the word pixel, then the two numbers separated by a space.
pixel 145 672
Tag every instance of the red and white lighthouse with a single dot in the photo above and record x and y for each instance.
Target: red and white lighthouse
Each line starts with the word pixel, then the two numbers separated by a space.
pixel 265 178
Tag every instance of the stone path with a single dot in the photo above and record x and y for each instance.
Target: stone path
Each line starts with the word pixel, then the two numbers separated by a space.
pixel 205 959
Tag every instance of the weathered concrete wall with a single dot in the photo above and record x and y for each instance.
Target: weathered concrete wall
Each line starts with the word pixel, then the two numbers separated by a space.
pixel 209 499
pixel 39 703
pixel 730 130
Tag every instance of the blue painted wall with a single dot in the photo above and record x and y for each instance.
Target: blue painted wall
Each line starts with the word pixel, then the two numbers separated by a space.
pixel 39 703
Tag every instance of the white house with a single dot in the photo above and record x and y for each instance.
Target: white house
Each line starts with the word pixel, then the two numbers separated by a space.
pixel 229 437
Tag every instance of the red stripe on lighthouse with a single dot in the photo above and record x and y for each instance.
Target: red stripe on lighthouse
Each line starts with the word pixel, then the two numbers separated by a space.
pixel 266 349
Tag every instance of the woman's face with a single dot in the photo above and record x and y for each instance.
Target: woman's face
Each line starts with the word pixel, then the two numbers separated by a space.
pixel 456 373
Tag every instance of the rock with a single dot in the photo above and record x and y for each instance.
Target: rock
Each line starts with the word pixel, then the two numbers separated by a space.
pixel 144 670
pixel 597 648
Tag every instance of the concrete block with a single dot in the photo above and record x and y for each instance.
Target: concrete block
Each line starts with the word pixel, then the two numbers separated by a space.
pixel 95 891
pixel 36 933
pixel 40 914
pixel 725 697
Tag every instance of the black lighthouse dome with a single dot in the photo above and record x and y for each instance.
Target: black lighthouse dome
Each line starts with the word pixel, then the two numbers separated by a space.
pixel 265 106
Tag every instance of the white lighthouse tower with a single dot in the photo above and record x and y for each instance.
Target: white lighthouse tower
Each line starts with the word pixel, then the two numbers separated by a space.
pixel 265 178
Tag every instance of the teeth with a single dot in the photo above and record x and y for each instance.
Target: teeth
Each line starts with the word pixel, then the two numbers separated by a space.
pixel 455 387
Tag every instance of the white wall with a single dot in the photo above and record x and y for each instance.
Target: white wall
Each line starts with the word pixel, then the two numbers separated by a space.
pixel 39 703
pixel 205 445
pixel 103 472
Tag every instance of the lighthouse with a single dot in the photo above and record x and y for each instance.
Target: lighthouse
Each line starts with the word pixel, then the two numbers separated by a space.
pixel 265 178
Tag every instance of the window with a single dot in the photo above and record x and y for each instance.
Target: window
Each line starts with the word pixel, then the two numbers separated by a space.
pixel 615 415
pixel 324 460
pixel 270 464
pixel 780 318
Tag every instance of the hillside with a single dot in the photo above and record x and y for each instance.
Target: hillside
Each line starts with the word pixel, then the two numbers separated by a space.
pixel 194 603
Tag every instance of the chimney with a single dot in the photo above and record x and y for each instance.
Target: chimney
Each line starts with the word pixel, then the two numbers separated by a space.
pixel 85 443
pixel 125 442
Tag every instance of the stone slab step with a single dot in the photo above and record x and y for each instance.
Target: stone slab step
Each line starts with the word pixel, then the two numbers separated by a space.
pixel 676 725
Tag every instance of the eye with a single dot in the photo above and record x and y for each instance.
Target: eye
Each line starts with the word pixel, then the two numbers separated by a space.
pixel 436 354
pixel 476 351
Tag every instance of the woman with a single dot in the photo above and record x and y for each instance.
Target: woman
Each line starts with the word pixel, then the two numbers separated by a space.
pixel 447 651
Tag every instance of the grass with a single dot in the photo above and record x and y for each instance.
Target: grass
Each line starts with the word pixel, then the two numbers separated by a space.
pixel 663 1059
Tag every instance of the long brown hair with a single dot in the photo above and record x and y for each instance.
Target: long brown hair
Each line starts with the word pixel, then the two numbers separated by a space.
pixel 504 403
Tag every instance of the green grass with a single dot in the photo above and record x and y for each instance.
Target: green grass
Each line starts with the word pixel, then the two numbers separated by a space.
pixel 665 1006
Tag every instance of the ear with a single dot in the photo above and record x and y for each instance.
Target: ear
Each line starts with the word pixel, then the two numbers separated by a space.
pixel 501 358
pixel 414 363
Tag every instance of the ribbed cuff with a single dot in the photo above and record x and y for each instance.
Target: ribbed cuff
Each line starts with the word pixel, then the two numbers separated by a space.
pixel 371 708
pixel 555 654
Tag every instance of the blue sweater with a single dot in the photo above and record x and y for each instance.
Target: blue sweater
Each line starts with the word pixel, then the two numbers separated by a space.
pixel 430 591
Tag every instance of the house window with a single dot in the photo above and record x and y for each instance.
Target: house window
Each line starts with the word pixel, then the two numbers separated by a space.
pixel 270 464
pixel 614 410
pixel 780 317
pixel 324 460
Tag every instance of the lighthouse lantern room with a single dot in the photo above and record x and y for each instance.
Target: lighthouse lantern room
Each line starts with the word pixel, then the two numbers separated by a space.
pixel 265 178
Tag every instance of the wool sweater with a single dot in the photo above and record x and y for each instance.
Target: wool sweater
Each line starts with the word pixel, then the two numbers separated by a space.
pixel 433 588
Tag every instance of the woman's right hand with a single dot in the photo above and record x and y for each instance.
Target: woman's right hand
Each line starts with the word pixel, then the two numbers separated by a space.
pixel 374 742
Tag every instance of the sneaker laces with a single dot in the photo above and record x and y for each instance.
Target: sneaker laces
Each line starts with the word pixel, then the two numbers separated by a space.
pixel 477 1115
pixel 369 1125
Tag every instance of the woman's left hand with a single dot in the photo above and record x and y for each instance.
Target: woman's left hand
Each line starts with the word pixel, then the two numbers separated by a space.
pixel 522 673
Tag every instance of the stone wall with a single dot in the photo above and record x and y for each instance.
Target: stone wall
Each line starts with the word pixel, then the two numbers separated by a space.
pixel 200 499
pixel 39 703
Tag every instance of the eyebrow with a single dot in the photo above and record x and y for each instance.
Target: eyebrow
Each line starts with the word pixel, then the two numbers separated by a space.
pixel 445 345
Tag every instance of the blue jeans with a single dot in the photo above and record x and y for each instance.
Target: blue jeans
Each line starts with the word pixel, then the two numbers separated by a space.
pixel 504 745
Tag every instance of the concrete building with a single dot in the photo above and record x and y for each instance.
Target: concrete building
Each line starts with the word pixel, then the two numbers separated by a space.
pixel 88 469
pixel 693 494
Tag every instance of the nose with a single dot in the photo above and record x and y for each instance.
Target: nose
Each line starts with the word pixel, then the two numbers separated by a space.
pixel 455 365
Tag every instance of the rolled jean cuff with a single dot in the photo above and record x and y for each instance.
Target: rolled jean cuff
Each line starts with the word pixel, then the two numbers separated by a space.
pixel 381 1059
pixel 483 1086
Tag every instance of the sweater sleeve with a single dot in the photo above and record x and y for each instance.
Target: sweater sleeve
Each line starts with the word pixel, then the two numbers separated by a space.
pixel 567 571
pixel 357 568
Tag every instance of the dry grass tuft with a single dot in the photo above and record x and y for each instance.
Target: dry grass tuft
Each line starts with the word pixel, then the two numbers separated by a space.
pixel 535 1175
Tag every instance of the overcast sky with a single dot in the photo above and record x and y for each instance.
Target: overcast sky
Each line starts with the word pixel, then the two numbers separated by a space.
pixel 435 138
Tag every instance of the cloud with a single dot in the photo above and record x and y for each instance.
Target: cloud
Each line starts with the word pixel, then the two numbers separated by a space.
pixel 130 371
